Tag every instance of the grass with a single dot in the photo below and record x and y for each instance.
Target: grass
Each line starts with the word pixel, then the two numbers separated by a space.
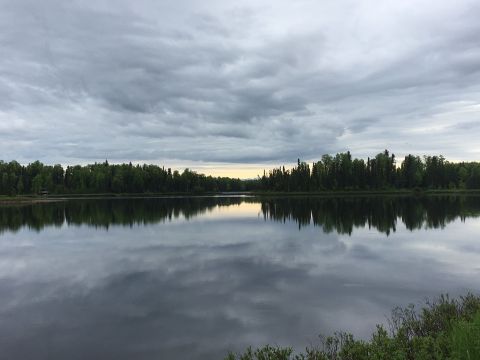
pixel 446 329
pixel 465 338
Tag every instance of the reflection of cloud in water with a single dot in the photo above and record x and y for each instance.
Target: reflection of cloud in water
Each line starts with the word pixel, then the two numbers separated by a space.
pixel 192 290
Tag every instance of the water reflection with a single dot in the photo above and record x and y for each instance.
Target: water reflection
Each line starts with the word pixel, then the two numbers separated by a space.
pixel 192 278
pixel 107 212
pixel 340 215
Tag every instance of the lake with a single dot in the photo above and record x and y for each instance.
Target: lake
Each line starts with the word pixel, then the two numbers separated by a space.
pixel 191 278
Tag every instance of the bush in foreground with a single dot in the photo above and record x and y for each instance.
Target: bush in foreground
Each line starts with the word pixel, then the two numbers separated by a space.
pixel 445 329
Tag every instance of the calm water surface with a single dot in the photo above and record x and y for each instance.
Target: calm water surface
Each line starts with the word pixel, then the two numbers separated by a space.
pixel 191 278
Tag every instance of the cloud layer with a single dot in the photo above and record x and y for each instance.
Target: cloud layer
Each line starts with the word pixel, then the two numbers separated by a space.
pixel 186 82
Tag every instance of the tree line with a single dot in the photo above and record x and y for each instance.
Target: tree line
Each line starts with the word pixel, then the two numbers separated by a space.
pixel 341 172
pixel 36 178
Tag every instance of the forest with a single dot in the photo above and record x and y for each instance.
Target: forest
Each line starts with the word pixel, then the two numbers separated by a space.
pixel 331 173
pixel 36 178
pixel 341 172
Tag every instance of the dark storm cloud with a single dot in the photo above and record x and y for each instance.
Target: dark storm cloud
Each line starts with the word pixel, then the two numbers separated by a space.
pixel 259 83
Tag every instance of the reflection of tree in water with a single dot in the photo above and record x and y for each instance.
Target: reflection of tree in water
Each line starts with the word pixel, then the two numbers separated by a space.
pixel 104 213
pixel 341 215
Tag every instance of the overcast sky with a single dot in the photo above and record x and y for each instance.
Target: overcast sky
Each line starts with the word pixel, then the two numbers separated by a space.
pixel 235 86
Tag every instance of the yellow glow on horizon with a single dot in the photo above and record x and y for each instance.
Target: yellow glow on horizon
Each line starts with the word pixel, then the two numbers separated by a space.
pixel 237 172
pixel 241 171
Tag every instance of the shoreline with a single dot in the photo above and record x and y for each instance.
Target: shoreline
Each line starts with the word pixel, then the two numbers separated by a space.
pixel 33 199
pixel 355 193
pixel 448 326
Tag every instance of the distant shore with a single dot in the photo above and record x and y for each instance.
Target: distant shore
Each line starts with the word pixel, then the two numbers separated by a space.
pixel 330 193
pixel 25 199
pixel 16 200
pixel 32 199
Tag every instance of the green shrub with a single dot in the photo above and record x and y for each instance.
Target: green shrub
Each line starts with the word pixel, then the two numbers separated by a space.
pixel 445 329
pixel 465 339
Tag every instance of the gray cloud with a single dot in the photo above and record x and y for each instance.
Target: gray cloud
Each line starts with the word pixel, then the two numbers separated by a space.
pixel 212 82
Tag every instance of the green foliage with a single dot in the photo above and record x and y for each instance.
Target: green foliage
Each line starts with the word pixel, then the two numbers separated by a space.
pixel 265 353
pixel 465 339
pixel 36 178
pixel 341 172
pixel 446 329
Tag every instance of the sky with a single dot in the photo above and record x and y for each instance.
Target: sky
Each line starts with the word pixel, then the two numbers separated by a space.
pixel 231 88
